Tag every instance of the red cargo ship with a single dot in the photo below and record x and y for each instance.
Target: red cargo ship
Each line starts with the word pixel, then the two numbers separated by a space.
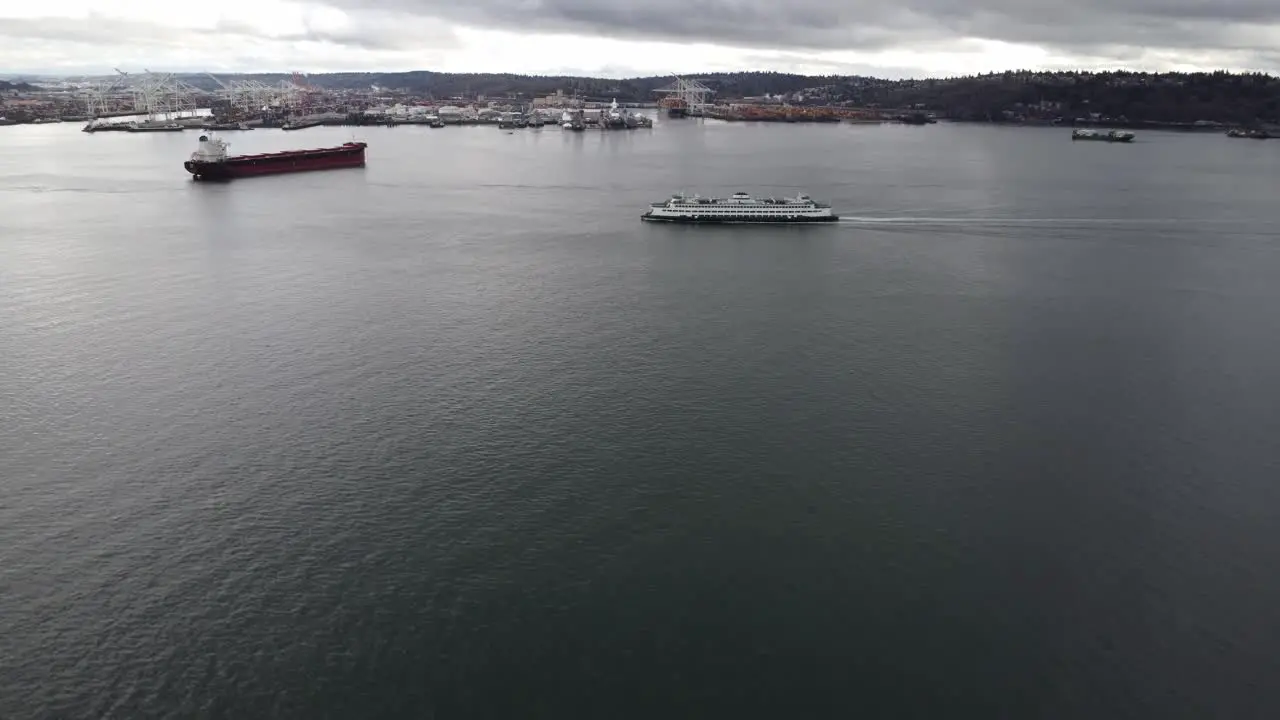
pixel 211 162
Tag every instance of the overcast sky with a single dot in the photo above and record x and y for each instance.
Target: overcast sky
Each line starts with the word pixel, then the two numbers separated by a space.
pixel 621 38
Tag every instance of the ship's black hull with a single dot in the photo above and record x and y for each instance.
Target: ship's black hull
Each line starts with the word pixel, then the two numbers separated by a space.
pixel 740 220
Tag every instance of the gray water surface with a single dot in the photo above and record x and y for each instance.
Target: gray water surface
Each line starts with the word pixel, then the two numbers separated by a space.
pixel 457 436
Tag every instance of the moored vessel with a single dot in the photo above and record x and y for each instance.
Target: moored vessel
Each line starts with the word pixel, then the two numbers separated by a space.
pixel 226 126
pixel 100 126
pixel 676 107
pixel 1251 133
pixel 739 208
pixel 1109 136
pixel 155 127
pixel 614 117
pixel 573 121
pixel 210 161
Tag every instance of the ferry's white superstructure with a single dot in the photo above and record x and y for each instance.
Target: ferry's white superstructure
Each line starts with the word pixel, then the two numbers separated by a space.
pixel 739 208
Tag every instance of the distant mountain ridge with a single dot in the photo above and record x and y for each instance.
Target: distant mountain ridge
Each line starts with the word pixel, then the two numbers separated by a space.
pixel 7 86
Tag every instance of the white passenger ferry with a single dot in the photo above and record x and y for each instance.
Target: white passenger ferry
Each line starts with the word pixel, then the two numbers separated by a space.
pixel 739 208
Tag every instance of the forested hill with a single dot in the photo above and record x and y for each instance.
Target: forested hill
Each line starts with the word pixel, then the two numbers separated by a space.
pixel 1165 97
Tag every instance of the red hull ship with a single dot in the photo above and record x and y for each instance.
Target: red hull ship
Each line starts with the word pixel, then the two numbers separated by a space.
pixel 211 162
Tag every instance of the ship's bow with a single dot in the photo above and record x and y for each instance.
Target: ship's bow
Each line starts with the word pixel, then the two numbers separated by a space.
pixel 207 170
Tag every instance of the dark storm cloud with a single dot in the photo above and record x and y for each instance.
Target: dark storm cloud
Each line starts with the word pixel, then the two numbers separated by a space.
pixel 370 31
pixel 868 24
pixel 784 23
